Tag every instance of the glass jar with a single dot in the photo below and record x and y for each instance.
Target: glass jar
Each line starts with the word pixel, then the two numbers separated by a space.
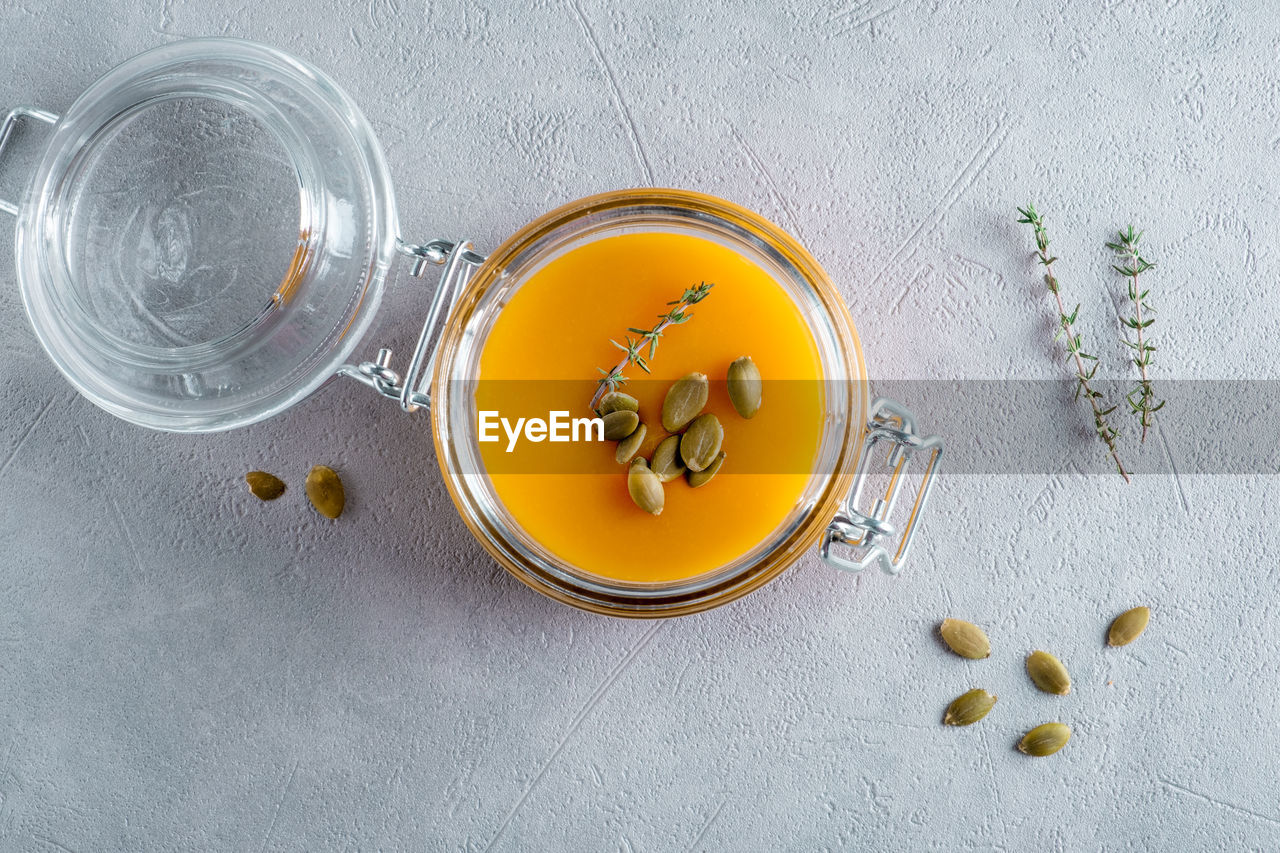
pixel 164 302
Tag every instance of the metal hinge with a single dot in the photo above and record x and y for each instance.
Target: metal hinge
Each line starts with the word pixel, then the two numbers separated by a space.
pixel 413 390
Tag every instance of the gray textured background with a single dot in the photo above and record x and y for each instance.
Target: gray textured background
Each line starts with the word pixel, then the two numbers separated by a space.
pixel 182 668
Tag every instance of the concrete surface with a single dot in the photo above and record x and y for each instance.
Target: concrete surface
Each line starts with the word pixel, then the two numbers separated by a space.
pixel 182 668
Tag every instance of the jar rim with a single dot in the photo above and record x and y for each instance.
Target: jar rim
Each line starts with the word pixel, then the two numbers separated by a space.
pixel 543 571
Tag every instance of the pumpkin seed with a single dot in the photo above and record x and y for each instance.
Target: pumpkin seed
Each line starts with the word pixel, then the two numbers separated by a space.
pixel 616 401
pixel 666 459
pixel 644 487
pixel 701 442
pixel 1045 739
pixel 325 491
pixel 685 398
pixel 745 387
pixel 264 486
pixel 620 424
pixel 629 445
pixel 1128 626
pixel 965 639
pixel 701 478
pixel 1048 673
pixel 967 708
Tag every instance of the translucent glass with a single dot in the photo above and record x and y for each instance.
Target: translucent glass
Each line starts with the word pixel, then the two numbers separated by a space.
pixel 207 235
pixel 160 251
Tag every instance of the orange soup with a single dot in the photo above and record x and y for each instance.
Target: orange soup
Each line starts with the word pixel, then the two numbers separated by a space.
pixel 542 355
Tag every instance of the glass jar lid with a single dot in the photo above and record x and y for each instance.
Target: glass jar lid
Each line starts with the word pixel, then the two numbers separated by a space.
pixel 207 235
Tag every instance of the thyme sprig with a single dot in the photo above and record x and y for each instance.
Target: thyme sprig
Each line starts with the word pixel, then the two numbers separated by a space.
pixel 1073 341
pixel 611 380
pixel 1142 400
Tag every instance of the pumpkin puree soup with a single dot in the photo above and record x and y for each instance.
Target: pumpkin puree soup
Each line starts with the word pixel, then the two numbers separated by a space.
pixel 542 355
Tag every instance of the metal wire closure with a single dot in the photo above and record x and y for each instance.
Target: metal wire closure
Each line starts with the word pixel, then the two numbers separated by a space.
pixel 6 128
pixel 869 533
pixel 414 390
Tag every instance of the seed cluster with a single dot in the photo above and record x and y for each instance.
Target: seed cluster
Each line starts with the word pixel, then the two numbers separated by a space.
pixel 1044 669
pixel 323 487
pixel 694 447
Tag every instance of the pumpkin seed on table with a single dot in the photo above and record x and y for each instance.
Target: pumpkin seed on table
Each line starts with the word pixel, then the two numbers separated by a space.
pixel 745 387
pixel 965 639
pixel 666 459
pixel 701 442
pixel 698 479
pixel 629 445
pixel 324 490
pixel 264 486
pixel 684 400
pixel 620 424
pixel 644 487
pixel 616 401
pixel 1048 673
pixel 1128 626
pixel 967 708
pixel 1045 739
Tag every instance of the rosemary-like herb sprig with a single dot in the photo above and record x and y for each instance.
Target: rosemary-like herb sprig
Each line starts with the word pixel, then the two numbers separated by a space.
pixel 1074 344
pixel 611 380
pixel 1142 399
